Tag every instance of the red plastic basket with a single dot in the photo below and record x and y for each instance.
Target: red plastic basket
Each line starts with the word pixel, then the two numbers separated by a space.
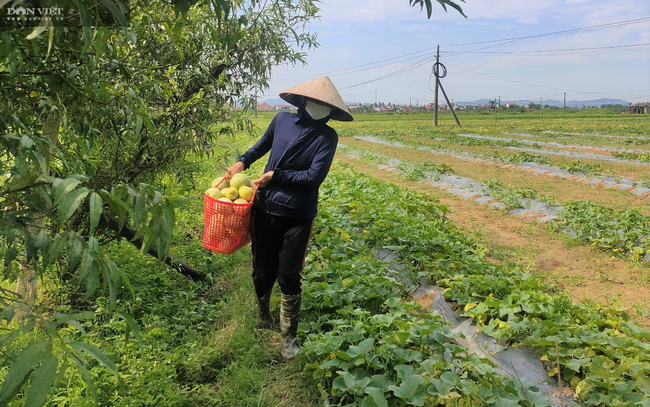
pixel 227 225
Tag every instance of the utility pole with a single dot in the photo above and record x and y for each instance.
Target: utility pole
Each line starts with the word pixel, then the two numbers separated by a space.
pixel 540 106
pixel 435 94
pixel 496 119
pixel 564 100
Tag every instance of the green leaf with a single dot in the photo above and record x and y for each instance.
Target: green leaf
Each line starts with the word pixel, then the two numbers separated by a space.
pixel 378 397
pixel 70 203
pixel 96 205
pixel 430 8
pixel 63 186
pixel 507 401
pixel 410 389
pixel 42 381
pixel 58 244
pixel 380 382
pixel 50 40
pixel 36 32
pixel 19 371
pixel 78 360
pixel 132 326
pixel 26 141
pixel 7 339
pixel 98 355
pixel 116 11
pixel 102 34
pixel 364 347
pixel 138 125
pixel 401 337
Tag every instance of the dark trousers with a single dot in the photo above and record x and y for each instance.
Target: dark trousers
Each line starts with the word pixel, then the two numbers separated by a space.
pixel 279 248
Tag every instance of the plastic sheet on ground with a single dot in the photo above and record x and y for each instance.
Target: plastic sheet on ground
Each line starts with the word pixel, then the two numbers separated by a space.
pixel 477 191
pixel 468 188
pixel 471 189
pixel 516 363
pixel 596 135
pixel 519 364
pixel 589 156
pixel 623 184
pixel 554 144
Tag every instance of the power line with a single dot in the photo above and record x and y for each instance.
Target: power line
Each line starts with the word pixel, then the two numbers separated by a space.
pixel 417 54
pixel 563 50
pixel 560 33
pixel 532 84
pixel 388 75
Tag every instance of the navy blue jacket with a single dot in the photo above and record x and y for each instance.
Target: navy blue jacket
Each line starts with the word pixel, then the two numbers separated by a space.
pixel 301 153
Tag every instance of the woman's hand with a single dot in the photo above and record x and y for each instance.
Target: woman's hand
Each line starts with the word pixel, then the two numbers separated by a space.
pixel 234 169
pixel 264 180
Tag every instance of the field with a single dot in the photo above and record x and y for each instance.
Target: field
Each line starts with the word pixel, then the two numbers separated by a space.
pixel 596 258
pixel 553 264
pixel 555 210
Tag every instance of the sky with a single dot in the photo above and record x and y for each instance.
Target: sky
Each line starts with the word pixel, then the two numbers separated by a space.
pixel 510 50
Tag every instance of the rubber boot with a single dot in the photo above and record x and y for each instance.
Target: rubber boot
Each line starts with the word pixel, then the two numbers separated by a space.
pixel 264 310
pixel 289 316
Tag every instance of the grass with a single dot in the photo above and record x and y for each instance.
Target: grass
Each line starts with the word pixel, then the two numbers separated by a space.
pixel 198 342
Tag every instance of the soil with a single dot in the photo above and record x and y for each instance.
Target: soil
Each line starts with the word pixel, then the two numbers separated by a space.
pixel 585 273
pixel 624 170
pixel 562 190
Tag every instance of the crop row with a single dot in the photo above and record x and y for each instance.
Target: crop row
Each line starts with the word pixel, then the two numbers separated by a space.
pixel 537 148
pixel 509 197
pixel 366 344
pixel 362 340
pixel 629 130
pixel 625 231
pixel 643 157
pixel 620 232
pixel 583 171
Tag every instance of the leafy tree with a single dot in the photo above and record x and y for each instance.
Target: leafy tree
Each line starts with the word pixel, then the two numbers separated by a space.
pixel 443 3
pixel 95 116
pixel 99 110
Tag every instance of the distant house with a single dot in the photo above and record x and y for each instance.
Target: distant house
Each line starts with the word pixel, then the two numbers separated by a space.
pixel 353 106
pixel 282 107
pixel 639 108
pixel 264 107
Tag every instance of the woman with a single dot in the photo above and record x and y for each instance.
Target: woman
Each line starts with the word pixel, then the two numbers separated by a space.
pixel 301 148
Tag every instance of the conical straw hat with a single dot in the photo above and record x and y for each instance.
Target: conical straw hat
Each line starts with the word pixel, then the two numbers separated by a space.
pixel 323 91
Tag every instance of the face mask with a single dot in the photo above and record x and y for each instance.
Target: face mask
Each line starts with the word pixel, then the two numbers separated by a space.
pixel 317 111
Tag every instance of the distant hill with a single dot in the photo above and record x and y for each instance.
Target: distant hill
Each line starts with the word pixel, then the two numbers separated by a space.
pixel 552 102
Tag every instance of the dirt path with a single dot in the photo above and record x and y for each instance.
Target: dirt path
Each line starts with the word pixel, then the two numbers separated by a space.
pixel 583 272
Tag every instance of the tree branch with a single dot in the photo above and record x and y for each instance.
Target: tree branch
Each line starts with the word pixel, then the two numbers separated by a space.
pixel 170 260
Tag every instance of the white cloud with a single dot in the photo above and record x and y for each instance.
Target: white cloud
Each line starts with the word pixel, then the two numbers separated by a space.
pixel 358 32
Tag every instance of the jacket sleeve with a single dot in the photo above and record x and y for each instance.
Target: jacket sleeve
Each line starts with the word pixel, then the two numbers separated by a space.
pixel 260 148
pixel 315 175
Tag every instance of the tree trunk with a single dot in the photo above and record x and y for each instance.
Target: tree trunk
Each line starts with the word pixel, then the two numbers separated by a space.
pixel 26 284
pixel 27 278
